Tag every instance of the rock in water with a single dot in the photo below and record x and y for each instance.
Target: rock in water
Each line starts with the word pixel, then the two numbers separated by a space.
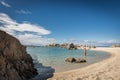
pixel 79 60
pixel 15 63
pixel 70 59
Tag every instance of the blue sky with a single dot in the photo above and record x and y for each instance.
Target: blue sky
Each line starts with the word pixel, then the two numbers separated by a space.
pixel 67 19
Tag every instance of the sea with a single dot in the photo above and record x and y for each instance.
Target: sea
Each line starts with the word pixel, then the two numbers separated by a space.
pixel 54 57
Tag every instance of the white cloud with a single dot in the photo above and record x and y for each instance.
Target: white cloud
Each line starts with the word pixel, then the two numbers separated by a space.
pixel 5 19
pixel 35 39
pixel 31 34
pixel 28 33
pixel 5 4
pixel 23 12
pixel 11 25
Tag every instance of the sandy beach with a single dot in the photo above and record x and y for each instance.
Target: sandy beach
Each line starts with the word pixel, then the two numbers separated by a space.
pixel 108 69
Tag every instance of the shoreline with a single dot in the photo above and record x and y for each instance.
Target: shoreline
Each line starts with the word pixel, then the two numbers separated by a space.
pixel 92 57
pixel 88 63
pixel 105 69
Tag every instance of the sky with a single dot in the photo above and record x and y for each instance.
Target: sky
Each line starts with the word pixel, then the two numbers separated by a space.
pixel 39 22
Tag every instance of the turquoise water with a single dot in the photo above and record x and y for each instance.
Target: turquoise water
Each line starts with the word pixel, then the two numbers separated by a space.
pixel 55 57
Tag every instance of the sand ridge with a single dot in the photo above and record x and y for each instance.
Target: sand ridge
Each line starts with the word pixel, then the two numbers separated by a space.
pixel 108 69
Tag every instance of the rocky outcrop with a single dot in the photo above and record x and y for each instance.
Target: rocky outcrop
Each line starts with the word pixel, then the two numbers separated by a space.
pixel 72 46
pixel 15 63
pixel 64 45
pixel 53 45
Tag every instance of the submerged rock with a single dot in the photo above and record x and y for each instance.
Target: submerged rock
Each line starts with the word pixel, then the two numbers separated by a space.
pixel 45 72
pixel 15 63
pixel 70 59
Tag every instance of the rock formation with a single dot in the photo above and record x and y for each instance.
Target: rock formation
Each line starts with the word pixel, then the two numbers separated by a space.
pixel 15 63
pixel 64 45
pixel 72 46
pixel 78 60
pixel 70 59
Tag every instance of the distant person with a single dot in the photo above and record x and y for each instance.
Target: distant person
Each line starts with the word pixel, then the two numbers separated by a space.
pixel 85 52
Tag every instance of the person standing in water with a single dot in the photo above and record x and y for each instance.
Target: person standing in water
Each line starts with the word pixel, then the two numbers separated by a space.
pixel 85 53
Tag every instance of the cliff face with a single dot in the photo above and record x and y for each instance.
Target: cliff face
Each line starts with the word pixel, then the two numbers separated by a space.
pixel 15 63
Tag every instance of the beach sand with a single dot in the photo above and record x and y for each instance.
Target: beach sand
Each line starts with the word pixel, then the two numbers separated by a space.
pixel 108 69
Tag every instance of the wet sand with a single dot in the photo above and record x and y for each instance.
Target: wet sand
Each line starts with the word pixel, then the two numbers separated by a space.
pixel 108 69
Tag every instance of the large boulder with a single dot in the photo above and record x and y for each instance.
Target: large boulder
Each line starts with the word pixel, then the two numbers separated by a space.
pixel 15 63
pixel 78 60
pixel 70 59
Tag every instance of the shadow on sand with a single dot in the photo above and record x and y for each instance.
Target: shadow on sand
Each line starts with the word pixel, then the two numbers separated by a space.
pixel 43 72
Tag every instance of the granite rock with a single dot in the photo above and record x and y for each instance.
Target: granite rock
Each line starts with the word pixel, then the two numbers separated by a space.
pixel 15 63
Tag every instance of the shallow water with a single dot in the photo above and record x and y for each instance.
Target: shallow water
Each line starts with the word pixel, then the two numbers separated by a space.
pixel 55 57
